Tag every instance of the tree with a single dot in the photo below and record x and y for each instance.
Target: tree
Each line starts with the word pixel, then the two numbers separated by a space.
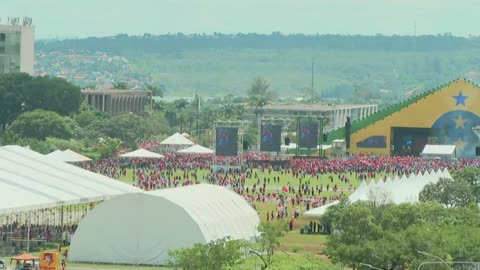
pixel 259 95
pixel 106 147
pixel 129 128
pixel 227 111
pixel 52 94
pixel 120 85
pixel 220 254
pixel 40 124
pixel 271 232
pixel 472 176
pixel 20 93
pixel 156 90
pixel 449 192
pixel 61 144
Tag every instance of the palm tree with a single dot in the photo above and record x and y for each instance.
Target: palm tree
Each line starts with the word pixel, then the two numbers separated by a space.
pixel 259 95
pixel 239 111
pixel 227 111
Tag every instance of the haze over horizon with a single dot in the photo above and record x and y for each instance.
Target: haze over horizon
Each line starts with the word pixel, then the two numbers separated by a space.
pixel 68 19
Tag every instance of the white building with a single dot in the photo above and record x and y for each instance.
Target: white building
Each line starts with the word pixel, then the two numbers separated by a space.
pixel 17 48
pixel 335 113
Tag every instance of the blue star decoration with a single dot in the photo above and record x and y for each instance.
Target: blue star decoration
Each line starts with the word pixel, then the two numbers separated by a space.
pixel 460 99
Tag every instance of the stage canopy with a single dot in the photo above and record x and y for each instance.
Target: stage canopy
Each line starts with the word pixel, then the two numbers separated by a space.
pixel 30 181
pixel 196 149
pixel 141 153
pixel 67 156
pixel 405 189
pixel 435 151
pixel 177 139
pixel 141 228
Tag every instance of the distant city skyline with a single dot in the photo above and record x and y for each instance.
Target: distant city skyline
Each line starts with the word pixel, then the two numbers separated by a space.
pixel 71 19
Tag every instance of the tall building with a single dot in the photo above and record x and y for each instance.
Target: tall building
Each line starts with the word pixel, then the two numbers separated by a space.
pixel 17 48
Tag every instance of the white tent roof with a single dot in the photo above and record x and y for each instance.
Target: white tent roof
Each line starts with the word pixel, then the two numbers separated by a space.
pixel 435 149
pixel 196 149
pixel 177 139
pixel 319 211
pixel 67 156
pixel 141 228
pixel 142 153
pixel 184 134
pixel 30 180
pixel 399 190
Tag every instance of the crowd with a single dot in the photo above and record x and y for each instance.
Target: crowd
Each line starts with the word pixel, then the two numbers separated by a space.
pixel 264 183
pixel 287 188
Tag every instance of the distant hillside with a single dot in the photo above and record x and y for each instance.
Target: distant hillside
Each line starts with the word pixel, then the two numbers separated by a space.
pixel 353 68
pixel 177 42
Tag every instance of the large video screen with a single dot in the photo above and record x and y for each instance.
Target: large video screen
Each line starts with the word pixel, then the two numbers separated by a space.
pixel 226 141
pixel 270 140
pixel 308 134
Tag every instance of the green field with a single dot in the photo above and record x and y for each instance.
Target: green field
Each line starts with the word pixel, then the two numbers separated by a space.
pixel 293 241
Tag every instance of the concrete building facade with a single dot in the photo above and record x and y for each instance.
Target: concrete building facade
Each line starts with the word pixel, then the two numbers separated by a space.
pixel 17 49
pixel 114 101
pixel 336 114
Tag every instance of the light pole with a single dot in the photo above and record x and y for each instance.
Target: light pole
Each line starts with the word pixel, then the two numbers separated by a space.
pixel 370 266
pixel 433 256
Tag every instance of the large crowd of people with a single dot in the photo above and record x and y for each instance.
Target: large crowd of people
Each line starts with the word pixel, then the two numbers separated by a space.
pixel 271 183
pixel 285 186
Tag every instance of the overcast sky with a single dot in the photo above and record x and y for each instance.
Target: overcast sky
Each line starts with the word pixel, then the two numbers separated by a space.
pixel 83 18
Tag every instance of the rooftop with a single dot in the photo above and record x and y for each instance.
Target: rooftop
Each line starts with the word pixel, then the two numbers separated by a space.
pixel 115 92
pixel 314 107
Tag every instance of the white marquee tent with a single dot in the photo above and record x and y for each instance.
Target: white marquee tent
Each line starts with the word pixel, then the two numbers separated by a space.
pixel 142 153
pixel 397 190
pixel 438 151
pixel 30 181
pixel 196 149
pixel 67 156
pixel 141 228
pixel 177 139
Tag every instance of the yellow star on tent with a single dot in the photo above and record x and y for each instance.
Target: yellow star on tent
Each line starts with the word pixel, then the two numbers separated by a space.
pixel 460 144
pixel 460 122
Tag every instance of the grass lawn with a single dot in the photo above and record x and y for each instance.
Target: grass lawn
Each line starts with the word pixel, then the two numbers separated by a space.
pixel 293 240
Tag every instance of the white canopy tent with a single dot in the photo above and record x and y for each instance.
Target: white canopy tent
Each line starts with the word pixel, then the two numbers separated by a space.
pixel 68 156
pixel 142 153
pixel 141 228
pixel 177 139
pixel 435 151
pixel 30 181
pixel 196 149
pixel 319 211
pixel 399 190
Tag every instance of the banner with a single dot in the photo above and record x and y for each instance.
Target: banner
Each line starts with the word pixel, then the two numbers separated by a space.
pixel 270 138
pixel 49 261
pixel 226 141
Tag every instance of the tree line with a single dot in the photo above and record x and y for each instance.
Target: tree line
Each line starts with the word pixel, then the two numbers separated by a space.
pixel 149 43
pixel 445 224
pixel 47 114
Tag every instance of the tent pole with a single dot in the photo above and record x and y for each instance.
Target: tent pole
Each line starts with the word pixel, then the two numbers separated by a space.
pixel 61 217
pixel 28 230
